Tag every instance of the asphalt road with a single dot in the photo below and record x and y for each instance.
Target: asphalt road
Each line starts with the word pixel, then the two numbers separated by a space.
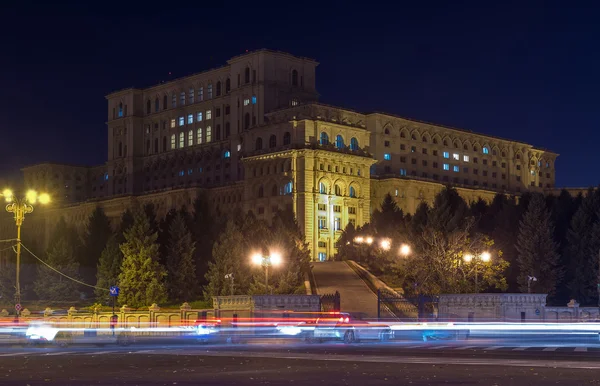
pixel 439 363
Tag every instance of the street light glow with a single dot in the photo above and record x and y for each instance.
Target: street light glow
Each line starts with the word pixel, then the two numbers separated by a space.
pixel 257 258
pixel 359 239
pixel 8 195
pixel 275 258
pixel 44 198
pixel 369 240
pixel 485 257
pixel 385 244
pixel 31 196
pixel 468 257
pixel 405 249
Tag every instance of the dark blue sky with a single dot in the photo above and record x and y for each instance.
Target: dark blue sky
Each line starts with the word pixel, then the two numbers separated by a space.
pixel 524 72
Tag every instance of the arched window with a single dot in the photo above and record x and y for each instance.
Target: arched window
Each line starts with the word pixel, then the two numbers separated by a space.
pixel 190 137
pixel 181 139
pixel 353 144
pixel 120 109
pixel 324 140
pixel 155 145
pixel 148 107
pixel 322 188
pixel 208 134
pixel 247 75
pixel 218 90
pixel 165 101
pixel 274 190
pixel 339 141
pixel 173 141
pixel 199 136
pixel 294 78
pixel 156 105
pixel 258 144
pixel 287 138
pixel 227 154
pixel 191 95
pixel 247 121
pixel 272 141
pixel 338 190
pixel 486 150
pixel 164 143
pixel 288 188
pixel 148 146
pixel 218 132
pixel 261 192
pixel 386 131
pixel 120 149
pixel 227 86
pixel 227 129
pixel 352 192
pixel 424 139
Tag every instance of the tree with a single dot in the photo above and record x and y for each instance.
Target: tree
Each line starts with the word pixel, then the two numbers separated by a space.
pixel 449 211
pixel 537 250
pixel 389 219
pixel 230 257
pixel 205 230
pixel 142 277
pixel 97 234
pixel 180 261
pixel 52 286
pixel 109 268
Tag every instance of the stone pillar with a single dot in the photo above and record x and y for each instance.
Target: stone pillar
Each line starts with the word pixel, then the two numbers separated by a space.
pixel 184 309
pixel 154 308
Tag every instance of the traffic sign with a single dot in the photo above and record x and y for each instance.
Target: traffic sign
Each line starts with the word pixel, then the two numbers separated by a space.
pixel 18 307
pixel 114 291
pixel 537 311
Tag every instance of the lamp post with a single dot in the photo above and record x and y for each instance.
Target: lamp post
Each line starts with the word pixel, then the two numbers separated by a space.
pixel 529 280
pixel 20 207
pixel 266 261
pixel 229 277
pixel 483 257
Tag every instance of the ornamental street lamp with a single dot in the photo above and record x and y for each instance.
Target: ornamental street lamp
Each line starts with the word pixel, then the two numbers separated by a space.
pixel 404 250
pixel 273 259
pixel 20 207
pixel 483 257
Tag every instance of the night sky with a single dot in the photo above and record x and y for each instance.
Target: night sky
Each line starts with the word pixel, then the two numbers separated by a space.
pixel 529 73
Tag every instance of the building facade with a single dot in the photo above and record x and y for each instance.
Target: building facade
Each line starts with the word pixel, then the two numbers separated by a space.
pixel 254 137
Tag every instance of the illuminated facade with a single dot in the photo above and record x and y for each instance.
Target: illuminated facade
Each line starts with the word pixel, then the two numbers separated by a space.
pixel 252 135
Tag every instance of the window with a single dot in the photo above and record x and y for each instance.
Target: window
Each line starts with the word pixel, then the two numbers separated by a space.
pixel 165 101
pixel 246 102
pixel 272 141
pixel 247 75
pixel 466 158
pixel 173 141
pixel 247 121
pixel 322 188
pixel 387 156
pixel 209 91
pixel 148 107
pixel 190 119
pixel 155 145
pixel 227 86
pixel 173 100
pixel 200 94
pixel 339 141
pixel 181 140
pixel 181 121
pixel 486 150
pixel 208 134
pixel 199 136
pixel 182 99
pixel 208 115
pixel 337 224
pixel 294 78
pixel 324 140
pixel 288 188
pixel 446 167
pixel 173 122
pixel 353 144
pixel 352 192
pixel 105 176
pixel 218 91
pixel 456 169
pixel 258 144
pixel 322 256
pixel 403 172
pixel 164 143
pixel 190 138
pixel 455 156
pixel 413 149
pixel 294 102
pixel 287 138
pixel 322 222
pixel 253 99
pixel 156 105
pixel 227 154
pixel 446 154
pixel 120 110
pixel 338 190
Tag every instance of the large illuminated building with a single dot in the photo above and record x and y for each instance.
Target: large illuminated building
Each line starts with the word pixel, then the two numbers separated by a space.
pixel 254 137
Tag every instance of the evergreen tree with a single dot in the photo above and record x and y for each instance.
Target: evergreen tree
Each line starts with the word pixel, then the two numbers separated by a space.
pixel 419 221
pixel 51 285
pixel 449 211
pixel 563 209
pixel 180 261
pixel 505 234
pixel 124 225
pixel 142 277
pixel 389 219
pixel 109 268
pixel 537 250
pixel 97 234
pixel 230 257
pixel 205 230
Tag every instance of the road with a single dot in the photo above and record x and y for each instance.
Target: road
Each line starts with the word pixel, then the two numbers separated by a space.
pixel 448 363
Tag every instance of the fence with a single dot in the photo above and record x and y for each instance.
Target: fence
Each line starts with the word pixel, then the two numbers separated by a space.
pixel 331 302
pixel 417 308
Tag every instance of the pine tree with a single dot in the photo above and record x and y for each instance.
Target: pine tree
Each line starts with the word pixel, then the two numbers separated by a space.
pixel 537 250
pixel 142 277
pixel 109 268
pixel 97 234
pixel 51 285
pixel 230 257
pixel 389 219
pixel 449 211
pixel 205 230
pixel 180 261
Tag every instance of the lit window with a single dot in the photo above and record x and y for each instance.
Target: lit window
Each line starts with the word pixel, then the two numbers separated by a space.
pixel 199 117
pixel 533 172
pixel 239 147
pixel 173 143
pixel 190 138
pixel 294 102
pixel 466 158
pixel 190 118
pixel 173 122
pixel 253 99
pixel 456 169
pixel 191 95
pixel 246 102
pixel 446 154
pixel 322 188
pixel 446 167
pixel 387 156
pixel 181 173
pixel 322 222
pixel 353 144
pixel 287 189
pixel 486 150
pixel 200 94
pixel 403 172
pixel 120 110
pixel 324 139
pixel 190 171
pixel 208 115
pixel 199 136
pixel 337 224
pixel 208 134
pixel 181 139
pixel 455 156
pixel 339 141
pixel 105 176
pixel 209 91
pixel 181 121
pixel 322 256
pixel 352 192
pixel 227 154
